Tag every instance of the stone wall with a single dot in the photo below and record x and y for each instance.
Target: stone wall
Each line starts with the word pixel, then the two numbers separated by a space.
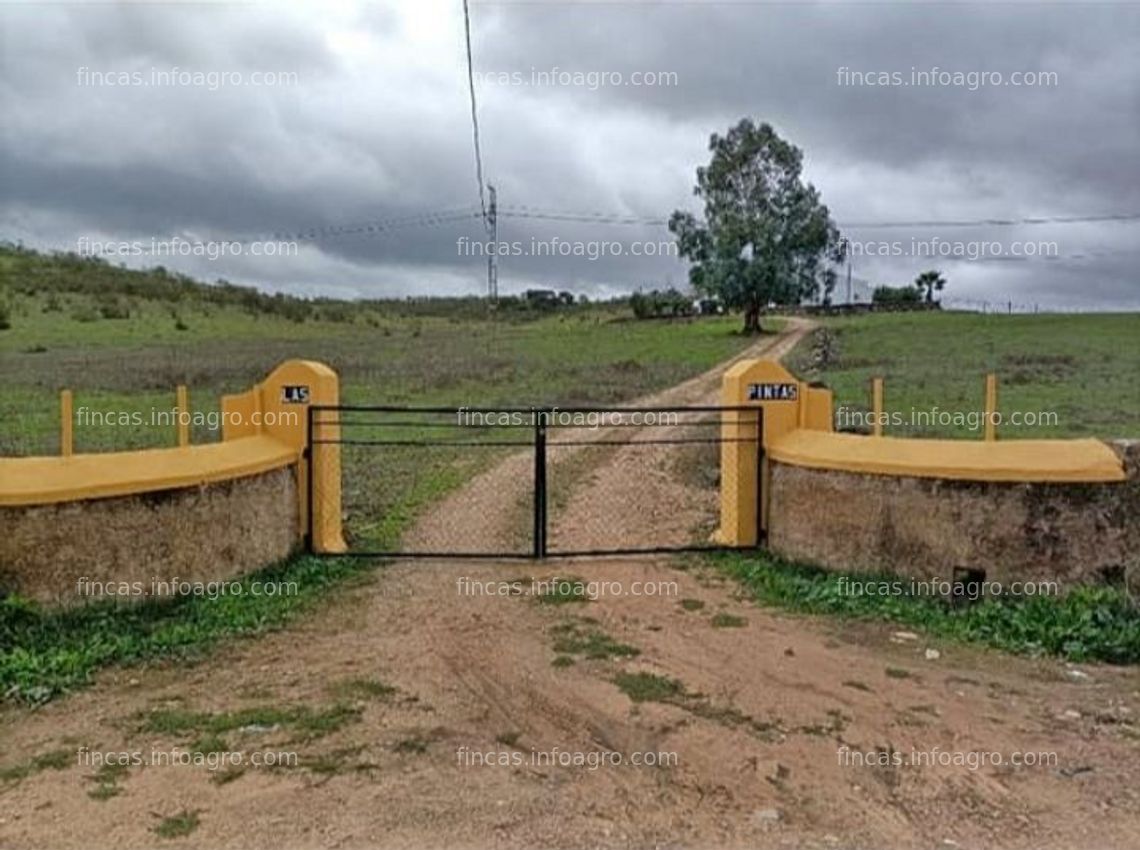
pixel 925 528
pixel 199 534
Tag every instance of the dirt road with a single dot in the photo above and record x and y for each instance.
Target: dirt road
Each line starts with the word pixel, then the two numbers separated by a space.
pixel 446 707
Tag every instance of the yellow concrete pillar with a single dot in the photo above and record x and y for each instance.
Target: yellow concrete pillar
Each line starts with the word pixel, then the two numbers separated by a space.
pixel 182 404
pixel 66 422
pixel 817 405
pixel 757 385
pixel 991 407
pixel 278 407
pixel 877 406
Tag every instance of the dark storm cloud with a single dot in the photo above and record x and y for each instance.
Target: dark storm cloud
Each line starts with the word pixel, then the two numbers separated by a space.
pixel 783 63
pixel 377 126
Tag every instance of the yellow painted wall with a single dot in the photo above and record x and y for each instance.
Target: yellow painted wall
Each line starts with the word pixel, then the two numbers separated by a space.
pixel 1069 461
pixel 798 430
pixel 263 428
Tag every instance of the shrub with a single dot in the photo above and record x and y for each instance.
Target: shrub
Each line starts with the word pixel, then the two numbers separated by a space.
pixel 114 308
pixel 658 304
pixel 895 295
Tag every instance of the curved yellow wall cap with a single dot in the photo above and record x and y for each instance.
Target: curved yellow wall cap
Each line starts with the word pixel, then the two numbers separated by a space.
pixel 1084 460
pixel 48 480
pixel 315 365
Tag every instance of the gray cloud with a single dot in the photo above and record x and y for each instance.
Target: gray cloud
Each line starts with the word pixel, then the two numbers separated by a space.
pixel 376 126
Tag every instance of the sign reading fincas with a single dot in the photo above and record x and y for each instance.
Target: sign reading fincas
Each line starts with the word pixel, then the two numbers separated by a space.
pixel 295 394
pixel 773 392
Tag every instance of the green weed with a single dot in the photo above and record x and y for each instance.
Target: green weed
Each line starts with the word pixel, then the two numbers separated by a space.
pixel 177 826
pixel 1086 624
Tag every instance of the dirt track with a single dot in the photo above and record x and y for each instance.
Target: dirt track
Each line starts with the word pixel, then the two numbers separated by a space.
pixel 756 725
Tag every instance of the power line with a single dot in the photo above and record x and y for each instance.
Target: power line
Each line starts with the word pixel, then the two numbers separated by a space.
pixel 378 226
pixel 520 211
pixel 366 228
pixel 474 112
pixel 431 218
pixel 999 222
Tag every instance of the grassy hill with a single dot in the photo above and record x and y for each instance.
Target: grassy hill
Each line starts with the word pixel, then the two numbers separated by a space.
pixel 123 339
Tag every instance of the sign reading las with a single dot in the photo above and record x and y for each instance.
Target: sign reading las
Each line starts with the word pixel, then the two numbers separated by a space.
pixel 773 392
pixel 295 394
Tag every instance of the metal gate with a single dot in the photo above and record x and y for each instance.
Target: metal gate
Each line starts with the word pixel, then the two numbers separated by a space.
pixel 533 482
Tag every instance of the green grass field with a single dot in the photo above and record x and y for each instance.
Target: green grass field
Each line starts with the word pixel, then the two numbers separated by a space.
pixel 385 353
pixel 1075 374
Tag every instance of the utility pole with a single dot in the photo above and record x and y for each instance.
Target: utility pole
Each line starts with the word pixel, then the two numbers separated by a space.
pixel 492 255
pixel 849 280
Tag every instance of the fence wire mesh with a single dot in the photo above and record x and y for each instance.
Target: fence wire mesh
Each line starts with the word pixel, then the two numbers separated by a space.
pixel 523 482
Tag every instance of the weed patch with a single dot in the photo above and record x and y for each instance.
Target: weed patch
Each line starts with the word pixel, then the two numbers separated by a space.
pixel 584 639
pixel 177 826
pixel 649 687
pixel 362 689
pixel 53 760
pixel 727 621
pixel 305 722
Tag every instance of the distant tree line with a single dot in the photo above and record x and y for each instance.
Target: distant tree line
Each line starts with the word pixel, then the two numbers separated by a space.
pixel 660 304
pixel 920 292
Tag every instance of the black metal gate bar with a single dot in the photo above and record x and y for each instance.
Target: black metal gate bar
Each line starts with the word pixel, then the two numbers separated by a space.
pixel 539 488
pixel 540 440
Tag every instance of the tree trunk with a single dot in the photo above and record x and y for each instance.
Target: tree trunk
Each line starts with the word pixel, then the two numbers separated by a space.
pixel 752 319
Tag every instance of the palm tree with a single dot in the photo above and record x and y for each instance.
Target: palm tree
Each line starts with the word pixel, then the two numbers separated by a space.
pixel 929 283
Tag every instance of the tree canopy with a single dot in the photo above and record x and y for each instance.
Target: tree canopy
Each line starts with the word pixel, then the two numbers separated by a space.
pixel 928 283
pixel 766 236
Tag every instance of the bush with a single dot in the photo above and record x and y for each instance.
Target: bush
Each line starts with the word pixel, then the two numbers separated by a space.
pixel 85 313
pixel 114 308
pixel 659 304
pixel 895 295
pixel 337 312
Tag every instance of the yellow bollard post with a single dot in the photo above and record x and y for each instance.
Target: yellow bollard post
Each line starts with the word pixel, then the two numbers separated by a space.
pixel 877 405
pixel 66 434
pixel 991 407
pixel 182 405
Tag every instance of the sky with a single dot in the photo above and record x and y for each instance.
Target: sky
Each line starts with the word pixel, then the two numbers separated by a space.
pixel 312 147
